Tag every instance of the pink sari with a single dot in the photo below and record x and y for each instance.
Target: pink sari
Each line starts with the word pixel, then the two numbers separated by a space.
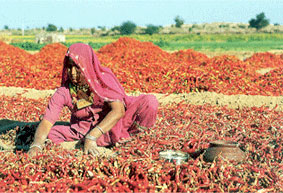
pixel 140 111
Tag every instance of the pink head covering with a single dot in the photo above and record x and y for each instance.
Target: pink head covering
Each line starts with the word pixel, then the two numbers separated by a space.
pixel 101 80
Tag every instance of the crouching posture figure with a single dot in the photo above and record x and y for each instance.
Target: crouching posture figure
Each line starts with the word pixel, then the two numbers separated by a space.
pixel 101 113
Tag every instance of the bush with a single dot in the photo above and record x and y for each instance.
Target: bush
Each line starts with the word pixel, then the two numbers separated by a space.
pixel 97 45
pixel 224 26
pixel 28 45
pixel 61 29
pixel 115 28
pixel 92 30
pixel 241 26
pixel 151 29
pixel 102 28
pixel 178 21
pixel 259 22
pixel 161 43
pixel 127 28
pixel 51 27
pixel 94 45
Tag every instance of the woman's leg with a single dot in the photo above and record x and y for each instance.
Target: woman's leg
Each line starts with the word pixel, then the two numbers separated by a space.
pixel 145 115
pixel 147 111
pixel 61 133
pixel 141 112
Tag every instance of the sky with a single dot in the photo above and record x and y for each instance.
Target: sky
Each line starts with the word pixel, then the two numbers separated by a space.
pixel 109 13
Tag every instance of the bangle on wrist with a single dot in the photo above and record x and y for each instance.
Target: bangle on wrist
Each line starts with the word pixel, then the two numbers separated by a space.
pixel 88 136
pixel 100 129
pixel 35 145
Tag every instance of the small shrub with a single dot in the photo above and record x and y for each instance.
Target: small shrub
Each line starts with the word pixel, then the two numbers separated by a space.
pixel 51 27
pixel 92 30
pixel 241 26
pixel 115 28
pixel 61 29
pixel 102 28
pixel 223 25
pixel 96 45
pixel 161 43
pixel 28 45
pixel 127 28
pixel 151 29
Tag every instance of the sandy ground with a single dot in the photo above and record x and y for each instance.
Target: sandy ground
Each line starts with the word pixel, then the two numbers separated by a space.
pixel 240 54
pixel 231 101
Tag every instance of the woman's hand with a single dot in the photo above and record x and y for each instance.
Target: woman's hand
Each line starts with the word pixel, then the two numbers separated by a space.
pixel 34 151
pixel 40 136
pixel 90 147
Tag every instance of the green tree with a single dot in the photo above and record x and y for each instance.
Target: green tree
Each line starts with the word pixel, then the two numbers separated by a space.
pixel 259 22
pixel 92 30
pixel 102 28
pixel 115 28
pixel 6 27
pixel 61 29
pixel 127 28
pixel 178 21
pixel 51 27
pixel 152 29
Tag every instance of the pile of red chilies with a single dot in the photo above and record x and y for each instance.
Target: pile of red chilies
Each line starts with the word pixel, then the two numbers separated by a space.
pixel 138 168
pixel 144 67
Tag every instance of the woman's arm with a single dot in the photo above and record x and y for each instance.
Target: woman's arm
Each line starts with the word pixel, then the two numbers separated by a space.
pixel 110 120
pixel 56 103
pixel 40 136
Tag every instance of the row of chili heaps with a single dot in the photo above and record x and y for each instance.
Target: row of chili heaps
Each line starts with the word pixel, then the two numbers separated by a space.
pixel 144 67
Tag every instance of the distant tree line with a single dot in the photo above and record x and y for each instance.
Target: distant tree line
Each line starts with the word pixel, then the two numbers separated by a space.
pixel 125 28
pixel 129 27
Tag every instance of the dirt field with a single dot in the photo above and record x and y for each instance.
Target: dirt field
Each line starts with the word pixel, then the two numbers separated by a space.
pixel 240 54
pixel 231 101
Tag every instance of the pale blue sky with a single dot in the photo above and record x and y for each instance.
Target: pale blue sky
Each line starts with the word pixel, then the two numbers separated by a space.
pixel 110 13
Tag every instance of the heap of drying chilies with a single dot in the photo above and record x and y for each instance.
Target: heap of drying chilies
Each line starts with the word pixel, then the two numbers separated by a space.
pixel 137 167
pixel 40 71
pixel 144 67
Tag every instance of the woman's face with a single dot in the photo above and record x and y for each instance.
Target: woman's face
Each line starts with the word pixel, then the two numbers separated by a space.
pixel 74 72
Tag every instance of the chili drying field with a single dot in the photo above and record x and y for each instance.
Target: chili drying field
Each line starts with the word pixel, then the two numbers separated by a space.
pixel 183 124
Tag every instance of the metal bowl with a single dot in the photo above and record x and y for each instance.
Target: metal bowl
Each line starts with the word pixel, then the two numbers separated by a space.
pixel 177 157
